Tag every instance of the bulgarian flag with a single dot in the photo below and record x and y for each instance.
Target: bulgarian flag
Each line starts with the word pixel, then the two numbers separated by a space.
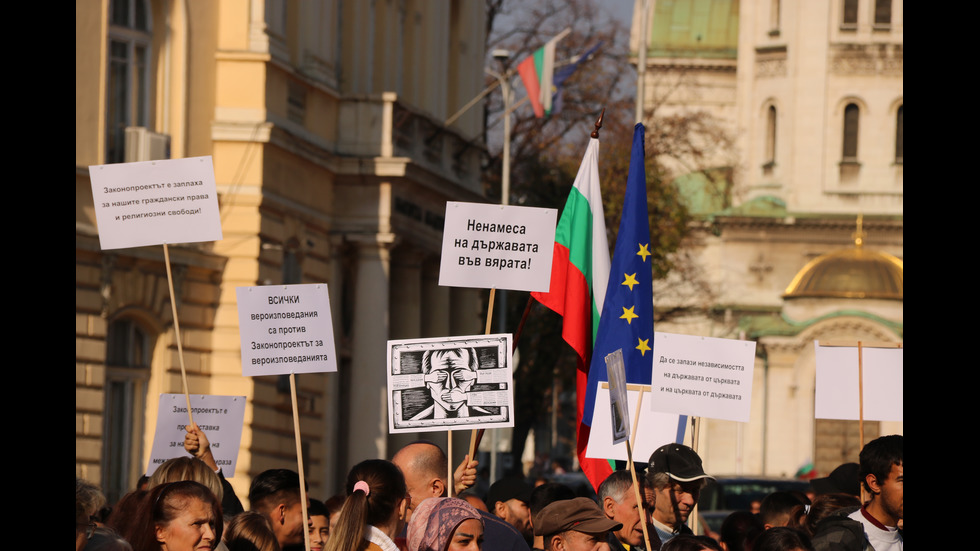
pixel 537 72
pixel 579 275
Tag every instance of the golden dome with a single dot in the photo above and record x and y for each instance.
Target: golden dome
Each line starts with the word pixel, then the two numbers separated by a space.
pixel 850 273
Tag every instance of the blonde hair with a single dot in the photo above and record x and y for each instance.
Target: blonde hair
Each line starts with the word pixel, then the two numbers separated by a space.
pixel 187 468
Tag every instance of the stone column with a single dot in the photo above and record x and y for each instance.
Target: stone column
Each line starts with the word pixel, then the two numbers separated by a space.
pixel 435 300
pixel 406 314
pixel 368 413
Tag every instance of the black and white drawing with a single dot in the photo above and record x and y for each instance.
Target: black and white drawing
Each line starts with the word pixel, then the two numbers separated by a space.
pixel 450 383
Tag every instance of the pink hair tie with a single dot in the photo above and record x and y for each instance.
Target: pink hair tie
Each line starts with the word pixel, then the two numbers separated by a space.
pixel 362 486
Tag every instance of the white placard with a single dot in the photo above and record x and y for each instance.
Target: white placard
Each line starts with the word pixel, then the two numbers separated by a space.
pixel 156 202
pixel 286 329
pixel 450 383
pixel 497 247
pixel 703 376
pixel 653 428
pixel 219 417
pixel 837 383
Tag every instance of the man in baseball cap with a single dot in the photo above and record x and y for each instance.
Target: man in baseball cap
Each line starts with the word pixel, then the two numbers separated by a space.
pixel 676 477
pixel 508 499
pixel 573 525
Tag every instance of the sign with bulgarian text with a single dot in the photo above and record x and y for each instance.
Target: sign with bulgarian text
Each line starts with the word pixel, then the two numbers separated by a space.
pixel 156 202
pixel 285 329
pixel 497 247
pixel 702 376
pixel 220 418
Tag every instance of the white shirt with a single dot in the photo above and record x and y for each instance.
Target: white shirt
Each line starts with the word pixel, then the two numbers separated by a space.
pixel 887 539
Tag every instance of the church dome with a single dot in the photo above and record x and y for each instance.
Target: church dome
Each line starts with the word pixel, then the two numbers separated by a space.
pixel 850 273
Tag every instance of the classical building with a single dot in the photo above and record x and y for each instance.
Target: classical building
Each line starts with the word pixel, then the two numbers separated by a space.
pixel 810 97
pixel 325 122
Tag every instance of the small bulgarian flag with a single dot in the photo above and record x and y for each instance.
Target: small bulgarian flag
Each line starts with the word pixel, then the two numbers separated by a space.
pixel 579 276
pixel 537 72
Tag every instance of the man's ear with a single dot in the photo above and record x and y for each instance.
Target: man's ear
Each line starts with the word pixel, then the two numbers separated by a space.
pixel 872 482
pixel 500 509
pixel 557 543
pixel 403 508
pixel 280 512
pixel 609 506
pixel 438 487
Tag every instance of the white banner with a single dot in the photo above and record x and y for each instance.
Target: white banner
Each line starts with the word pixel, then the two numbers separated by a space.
pixel 219 417
pixel 497 247
pixel 837 383
pixel 156 202
pixel 286 329
pixel 702 376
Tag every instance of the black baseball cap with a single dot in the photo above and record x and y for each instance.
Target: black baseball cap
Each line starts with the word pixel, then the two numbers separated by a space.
pixel 508 488
pixel 680 462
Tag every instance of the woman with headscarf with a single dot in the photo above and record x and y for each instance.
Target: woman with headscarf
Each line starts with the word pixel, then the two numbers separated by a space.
pixel 445 524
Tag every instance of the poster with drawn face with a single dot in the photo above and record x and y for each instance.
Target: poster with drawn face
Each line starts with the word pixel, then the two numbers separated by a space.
pixel 450 383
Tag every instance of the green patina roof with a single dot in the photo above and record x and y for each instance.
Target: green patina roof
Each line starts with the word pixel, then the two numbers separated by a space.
pixel 694 28
pixel 759 326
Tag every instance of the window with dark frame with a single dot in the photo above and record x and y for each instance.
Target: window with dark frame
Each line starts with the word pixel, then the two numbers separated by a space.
pixel 852 115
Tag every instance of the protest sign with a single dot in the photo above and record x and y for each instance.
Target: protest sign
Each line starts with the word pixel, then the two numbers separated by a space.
pixel 450 383
pixel 837 384
pixel 497 247
pixel 653 428
pixel 156 202
pixel 219 417
pixel 285 329
pixel 618 405
pixel 702 376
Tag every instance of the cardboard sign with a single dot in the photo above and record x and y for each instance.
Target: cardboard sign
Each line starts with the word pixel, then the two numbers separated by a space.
pixel 286 329
pixel 703 376
pixel 156 202
pixel 450 383
pixel 497 247
pixel 653 428
pixel 837 383
pixel 219 417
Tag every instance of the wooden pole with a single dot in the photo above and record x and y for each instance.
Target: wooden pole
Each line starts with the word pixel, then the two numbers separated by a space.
pixel 860 395
pixel 180 349
pixel 629 459
pixel 477 434
pixel 299 459
pixel 692 521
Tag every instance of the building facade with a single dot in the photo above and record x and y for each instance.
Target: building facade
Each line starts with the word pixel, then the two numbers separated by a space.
pixel 809 95
pixel 324 120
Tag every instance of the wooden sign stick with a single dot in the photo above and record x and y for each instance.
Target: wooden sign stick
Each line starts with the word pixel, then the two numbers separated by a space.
pixel 692 522
pixel 636 485
pixel 299 457
pixel 180 349
pixel 475 434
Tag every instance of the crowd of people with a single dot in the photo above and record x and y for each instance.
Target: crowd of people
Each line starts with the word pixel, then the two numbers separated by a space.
pixel 404 505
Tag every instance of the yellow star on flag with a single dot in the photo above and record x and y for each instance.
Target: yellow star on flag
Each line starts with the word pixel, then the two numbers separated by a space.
pixel 630 280
pixel 628 315
pixel 644 251
pixel 643 346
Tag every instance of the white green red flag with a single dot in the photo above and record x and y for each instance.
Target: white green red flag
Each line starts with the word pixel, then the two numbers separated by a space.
pixel 579 275
pixel 537 73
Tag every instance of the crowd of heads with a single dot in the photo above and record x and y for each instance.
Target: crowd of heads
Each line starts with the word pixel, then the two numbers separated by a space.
pixel 405 504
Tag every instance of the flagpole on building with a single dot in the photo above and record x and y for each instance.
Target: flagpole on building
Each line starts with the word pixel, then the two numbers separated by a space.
pixel 641 64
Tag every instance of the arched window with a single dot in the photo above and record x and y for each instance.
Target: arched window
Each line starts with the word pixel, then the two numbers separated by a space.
pixel 128 352
pixel 899 124
pixel 770 137
pixel 852 115
pixel 128 89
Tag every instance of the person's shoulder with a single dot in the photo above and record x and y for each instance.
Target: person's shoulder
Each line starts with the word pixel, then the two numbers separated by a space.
pixel 499 534
pixel 839 532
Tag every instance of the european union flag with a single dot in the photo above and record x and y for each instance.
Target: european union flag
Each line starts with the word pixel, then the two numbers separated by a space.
pixel 627 315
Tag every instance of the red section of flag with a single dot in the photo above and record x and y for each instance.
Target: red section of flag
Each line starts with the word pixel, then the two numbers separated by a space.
pixel 532 82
